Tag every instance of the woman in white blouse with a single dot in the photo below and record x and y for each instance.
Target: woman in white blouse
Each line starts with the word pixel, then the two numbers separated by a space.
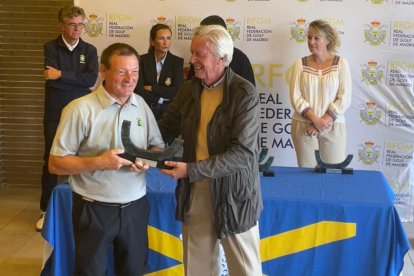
pixel 320 93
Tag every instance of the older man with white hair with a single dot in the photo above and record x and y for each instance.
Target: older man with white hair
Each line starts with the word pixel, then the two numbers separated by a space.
pixel 218 192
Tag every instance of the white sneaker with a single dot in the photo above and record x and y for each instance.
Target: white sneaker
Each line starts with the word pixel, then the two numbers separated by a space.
pixel 40 221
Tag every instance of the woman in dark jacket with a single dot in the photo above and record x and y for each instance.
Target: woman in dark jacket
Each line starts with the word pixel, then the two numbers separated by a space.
pixel 160 72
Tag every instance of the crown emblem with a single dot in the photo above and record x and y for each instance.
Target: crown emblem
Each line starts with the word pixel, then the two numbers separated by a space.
pixel 230 20
pixel 161 19
pixel 372 63
pixel 375 23
pixel 369 144
pixel 301 21
pixel 93 16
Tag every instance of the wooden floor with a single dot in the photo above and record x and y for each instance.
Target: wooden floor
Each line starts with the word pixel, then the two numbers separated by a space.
pixel 21 247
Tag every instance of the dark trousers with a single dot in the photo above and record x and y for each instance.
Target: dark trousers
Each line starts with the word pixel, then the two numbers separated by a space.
pixel 49 180
pixel 97 228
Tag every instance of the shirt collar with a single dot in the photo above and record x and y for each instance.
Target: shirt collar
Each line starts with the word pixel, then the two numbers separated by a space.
pixel 161 61
pixel 70 47
pixel 107 100
pixel 215 85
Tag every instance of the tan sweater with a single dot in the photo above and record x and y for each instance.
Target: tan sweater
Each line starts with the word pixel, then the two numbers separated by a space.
pixel 211 98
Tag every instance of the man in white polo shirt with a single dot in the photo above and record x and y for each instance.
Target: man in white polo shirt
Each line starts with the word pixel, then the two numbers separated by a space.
pixel 109 203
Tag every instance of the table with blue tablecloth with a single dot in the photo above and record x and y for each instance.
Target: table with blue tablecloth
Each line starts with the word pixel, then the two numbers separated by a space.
pixel 312 224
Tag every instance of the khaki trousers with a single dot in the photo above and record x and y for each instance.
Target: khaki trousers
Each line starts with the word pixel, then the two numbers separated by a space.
pixel 201 245
pixel 331 144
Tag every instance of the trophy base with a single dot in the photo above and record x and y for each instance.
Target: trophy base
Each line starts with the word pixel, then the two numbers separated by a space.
pixel 151 163
pixel 268 173
pixel 319 169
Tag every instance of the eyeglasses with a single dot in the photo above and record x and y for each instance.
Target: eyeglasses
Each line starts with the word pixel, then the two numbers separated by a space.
pixel 74 25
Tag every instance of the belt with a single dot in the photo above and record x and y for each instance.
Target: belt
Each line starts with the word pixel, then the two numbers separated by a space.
pixel 109 204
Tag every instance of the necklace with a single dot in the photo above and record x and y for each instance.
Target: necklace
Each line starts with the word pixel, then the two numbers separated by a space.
pixel 321 63
pixel 318 64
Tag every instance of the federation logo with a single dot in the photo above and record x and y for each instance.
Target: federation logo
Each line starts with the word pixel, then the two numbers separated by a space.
pixel 140 122
pixel 370 113
pixel 82 59
pixel 375 33
pixel 372 73
pixel 233 27
pixel 368 153
pixel 399 186
pixel 162 20
pixel 299 30
pixel 94 25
